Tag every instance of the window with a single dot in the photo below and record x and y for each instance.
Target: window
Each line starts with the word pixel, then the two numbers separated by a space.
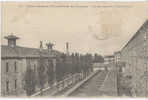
pixel 34 67
pixel 15 84
pixel 15 66
pixel 7 86
pixel 145 36
pixel 7 67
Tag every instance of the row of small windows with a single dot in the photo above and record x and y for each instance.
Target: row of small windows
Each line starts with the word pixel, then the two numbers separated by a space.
pixel 15 67
pixel 8 85
pixel 145 36
pixel 7 67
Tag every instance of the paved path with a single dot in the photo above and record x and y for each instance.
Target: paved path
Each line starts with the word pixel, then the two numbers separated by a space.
pixel 103 83
pixel 91 88
pixel 78 85
pixel 109 87
pixel 54 91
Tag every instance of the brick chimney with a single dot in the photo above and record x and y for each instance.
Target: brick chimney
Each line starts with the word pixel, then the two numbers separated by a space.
pixel 11 40
pixel 67 48
pixel 49 46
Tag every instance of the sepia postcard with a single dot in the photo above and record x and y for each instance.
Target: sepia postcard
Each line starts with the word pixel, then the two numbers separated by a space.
pixel 74 49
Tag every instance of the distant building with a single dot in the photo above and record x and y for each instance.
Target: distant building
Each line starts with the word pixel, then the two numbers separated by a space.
pixel 108 59
pixel 117 56
pixel 99 66
pixel 119 64
pixel 14 62
pixel 135 56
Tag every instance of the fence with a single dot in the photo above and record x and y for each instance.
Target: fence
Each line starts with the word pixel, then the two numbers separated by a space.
pixel 61 85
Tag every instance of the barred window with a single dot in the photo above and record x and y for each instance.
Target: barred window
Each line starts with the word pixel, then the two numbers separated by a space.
pixel 145 36
pixel 7 66
pixel 7 86
pixel 146 33
pixel 34 67
pixel 15 66
pixel 15 84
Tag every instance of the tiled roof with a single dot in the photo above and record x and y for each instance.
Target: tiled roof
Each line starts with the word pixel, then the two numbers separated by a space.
pixel 7 51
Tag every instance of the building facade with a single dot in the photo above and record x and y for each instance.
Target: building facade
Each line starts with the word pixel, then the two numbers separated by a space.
pixel 119 64
pixel 108 59
pixel 14 62
pixel 135 56
pixel 117 56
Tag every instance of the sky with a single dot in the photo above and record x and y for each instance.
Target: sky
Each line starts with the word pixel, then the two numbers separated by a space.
pixel 89 27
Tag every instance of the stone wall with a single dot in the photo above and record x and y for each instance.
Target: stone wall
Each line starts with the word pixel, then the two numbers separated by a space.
pixel 19 75
pixel 135 54
pixel 11 75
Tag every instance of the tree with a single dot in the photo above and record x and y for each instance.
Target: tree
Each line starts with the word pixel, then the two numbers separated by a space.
pixel 50 72
pixel 30 82
pixel 60 69
pixel 72 70
pixel 41 72
pixel 89 62
pixel 83 65
pixel 76 63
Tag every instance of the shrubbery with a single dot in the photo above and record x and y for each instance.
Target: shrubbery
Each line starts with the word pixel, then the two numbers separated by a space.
pixel 65 65
pixel 72 64
pixel 30 81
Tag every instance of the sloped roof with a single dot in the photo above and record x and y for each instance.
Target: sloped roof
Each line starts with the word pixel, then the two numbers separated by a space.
pixel 109 56
pixel 7 51
pixel 137 33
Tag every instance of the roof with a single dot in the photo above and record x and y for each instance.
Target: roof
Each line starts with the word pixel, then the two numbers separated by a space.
pixel 118 52
pixel 109 56
pixel 17 51
pixel 137 33
pixel 11 37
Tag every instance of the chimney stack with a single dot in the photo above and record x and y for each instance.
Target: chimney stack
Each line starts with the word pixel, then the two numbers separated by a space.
pixel 67 48
pixel 11 40
pixel 49 46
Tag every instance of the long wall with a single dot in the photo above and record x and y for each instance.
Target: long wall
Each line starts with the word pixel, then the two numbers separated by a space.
pixel 135 55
